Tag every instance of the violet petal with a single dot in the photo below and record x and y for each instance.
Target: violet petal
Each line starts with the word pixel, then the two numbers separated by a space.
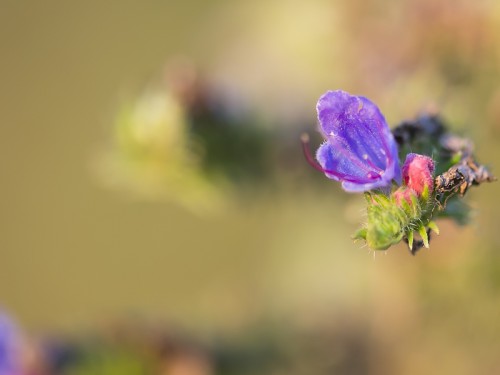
pixel 359 146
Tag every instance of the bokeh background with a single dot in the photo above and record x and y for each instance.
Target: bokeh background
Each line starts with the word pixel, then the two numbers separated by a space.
pixel 158 218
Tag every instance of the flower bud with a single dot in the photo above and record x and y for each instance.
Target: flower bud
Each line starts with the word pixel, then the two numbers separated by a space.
pixel 417 173
pixel 403 194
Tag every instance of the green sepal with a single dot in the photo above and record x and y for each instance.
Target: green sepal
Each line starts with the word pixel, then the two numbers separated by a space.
pixel 360 234
pixel 425 194
pixel 416 208
pixel 433 226
pixel 384 227
pixel 410 239
pixel 423 233
pixel 406 207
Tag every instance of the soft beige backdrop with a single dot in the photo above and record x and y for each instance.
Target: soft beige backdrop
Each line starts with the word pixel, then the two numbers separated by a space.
pixel 73 253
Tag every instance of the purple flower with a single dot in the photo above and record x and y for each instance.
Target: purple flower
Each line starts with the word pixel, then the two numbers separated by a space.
pixel 9 347
pixel 359 150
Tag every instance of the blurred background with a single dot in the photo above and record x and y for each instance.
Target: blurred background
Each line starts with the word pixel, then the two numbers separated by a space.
pixel 157 214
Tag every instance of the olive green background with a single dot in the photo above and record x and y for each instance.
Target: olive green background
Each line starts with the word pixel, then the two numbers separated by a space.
pixel 74 254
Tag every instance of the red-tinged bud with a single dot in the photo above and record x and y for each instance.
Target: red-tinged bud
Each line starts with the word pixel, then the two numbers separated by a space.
pixel 403 194
pixel 417 173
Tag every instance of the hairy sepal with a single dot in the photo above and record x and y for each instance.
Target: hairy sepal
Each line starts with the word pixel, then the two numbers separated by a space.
pixel 390 220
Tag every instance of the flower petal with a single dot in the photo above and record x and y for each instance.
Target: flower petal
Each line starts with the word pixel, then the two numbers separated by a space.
pixel 342 169
pixel 360 145
pixel 358 123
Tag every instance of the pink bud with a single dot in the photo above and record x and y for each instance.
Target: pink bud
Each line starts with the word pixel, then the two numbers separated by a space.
pixel 417 173
pixel 403 194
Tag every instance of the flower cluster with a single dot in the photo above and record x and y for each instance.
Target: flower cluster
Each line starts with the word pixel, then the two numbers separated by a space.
pixel 362 153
